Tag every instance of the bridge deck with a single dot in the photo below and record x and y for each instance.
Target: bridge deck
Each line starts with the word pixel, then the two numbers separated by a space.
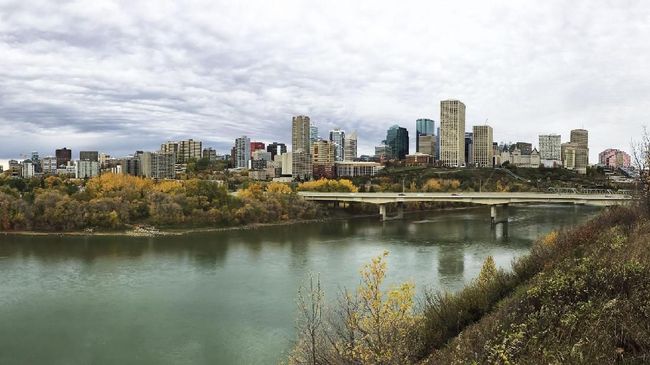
pixel 473 197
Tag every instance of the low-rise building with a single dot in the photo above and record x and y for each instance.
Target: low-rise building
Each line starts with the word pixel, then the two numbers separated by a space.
pixel 614 158
pixel 357 168
pixel 419 159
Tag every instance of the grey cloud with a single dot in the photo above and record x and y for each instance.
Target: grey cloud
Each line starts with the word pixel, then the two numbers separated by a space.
pixel 129 75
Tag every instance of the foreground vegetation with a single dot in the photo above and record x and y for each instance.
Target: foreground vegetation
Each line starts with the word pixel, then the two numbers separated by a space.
pixel 579 297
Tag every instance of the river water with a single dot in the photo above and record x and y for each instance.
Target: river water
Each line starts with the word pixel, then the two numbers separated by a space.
pixel 227 297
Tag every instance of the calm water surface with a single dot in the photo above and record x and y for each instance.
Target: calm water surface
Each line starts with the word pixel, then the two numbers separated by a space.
pixel 226 297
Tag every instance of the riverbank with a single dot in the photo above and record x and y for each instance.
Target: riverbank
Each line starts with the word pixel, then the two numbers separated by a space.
pixel 133 231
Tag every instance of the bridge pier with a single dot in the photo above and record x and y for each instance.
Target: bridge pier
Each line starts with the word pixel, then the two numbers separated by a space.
pixel 494 217
pixel 383 211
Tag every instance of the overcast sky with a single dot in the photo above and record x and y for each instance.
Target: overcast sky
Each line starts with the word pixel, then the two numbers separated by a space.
pixel 117 76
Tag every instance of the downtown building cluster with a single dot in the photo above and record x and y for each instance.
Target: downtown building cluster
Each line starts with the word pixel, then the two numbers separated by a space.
pixel 312 156
pixel 450 145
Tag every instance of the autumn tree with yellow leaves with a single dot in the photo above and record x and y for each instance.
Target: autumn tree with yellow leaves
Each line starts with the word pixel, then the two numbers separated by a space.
pixel 369 326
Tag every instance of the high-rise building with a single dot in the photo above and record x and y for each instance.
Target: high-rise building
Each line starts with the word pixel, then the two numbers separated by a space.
pixel 276 149
pixel 184 150
pixel 575 157
pixel 397 138
pixel 437 155
pixel 300 134
pixel 550 147
pixel 27 170
pixel 257 146
pixel 452 132
pixel 209 153
pixel 581 138
pixel 157 165
pixel 614 158
pixel 382 152
pixel 423 127
pixel 301 166
pixel 242 152
pixel 86 168
pixel 469 141
pixel 323 158
pixel 189 150
pixel 63 155
pixel 482 145
pixel 171 147
pixel 301 147
pixel 337 137
pixel 313 133
pixel 427 144
pixel 89 155
pixel 49 165
pixel 350 151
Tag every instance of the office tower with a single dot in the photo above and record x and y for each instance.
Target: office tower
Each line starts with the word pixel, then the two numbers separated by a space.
pixel 323 158
pixel 63 155
pixel 301 147
pixel 260 159
pixel 35 157
pixel 550 147
pixel 423 127
pixel 49 165
pixel 313 133
pixel 89 155
pixel 276 149
pixel 337 137
pixel 614 158
pixel 482 145
pixel 300 134
pixel 131 166
pixel 452 132
pixel 350 152
pixel 427 144
pixel 242 152
pixel 469 140
pixel 397 138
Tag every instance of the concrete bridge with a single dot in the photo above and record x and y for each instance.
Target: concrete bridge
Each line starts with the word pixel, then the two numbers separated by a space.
pixel 493 199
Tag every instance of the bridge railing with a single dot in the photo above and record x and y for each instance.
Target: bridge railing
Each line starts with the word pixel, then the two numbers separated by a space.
pixel 589 191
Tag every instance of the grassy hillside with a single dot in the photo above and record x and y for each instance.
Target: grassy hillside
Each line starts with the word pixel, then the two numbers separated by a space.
pixel 587 301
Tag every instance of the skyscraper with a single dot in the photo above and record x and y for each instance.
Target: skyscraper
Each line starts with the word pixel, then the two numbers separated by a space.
pixel 397 138
pixel 300 134
pixel 323 158
pixel 423 127
pixel 313 133
pixel 452 132
pixel 301 147
pixel 550 147
pixel 337 137
pixel 482 145
pixel 242 152
pixel 581 138
pixel 89 155
pixel 350 152
pixel 257 146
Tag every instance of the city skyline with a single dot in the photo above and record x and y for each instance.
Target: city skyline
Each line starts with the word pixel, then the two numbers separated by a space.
pixel 92 79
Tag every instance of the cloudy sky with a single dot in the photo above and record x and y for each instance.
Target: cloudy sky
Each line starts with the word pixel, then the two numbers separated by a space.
pixel 117 76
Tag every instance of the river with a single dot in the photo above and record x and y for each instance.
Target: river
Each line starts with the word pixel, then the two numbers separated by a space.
pixel 227 297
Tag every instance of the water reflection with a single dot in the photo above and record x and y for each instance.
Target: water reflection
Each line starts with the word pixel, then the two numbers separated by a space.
pixel 228 297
